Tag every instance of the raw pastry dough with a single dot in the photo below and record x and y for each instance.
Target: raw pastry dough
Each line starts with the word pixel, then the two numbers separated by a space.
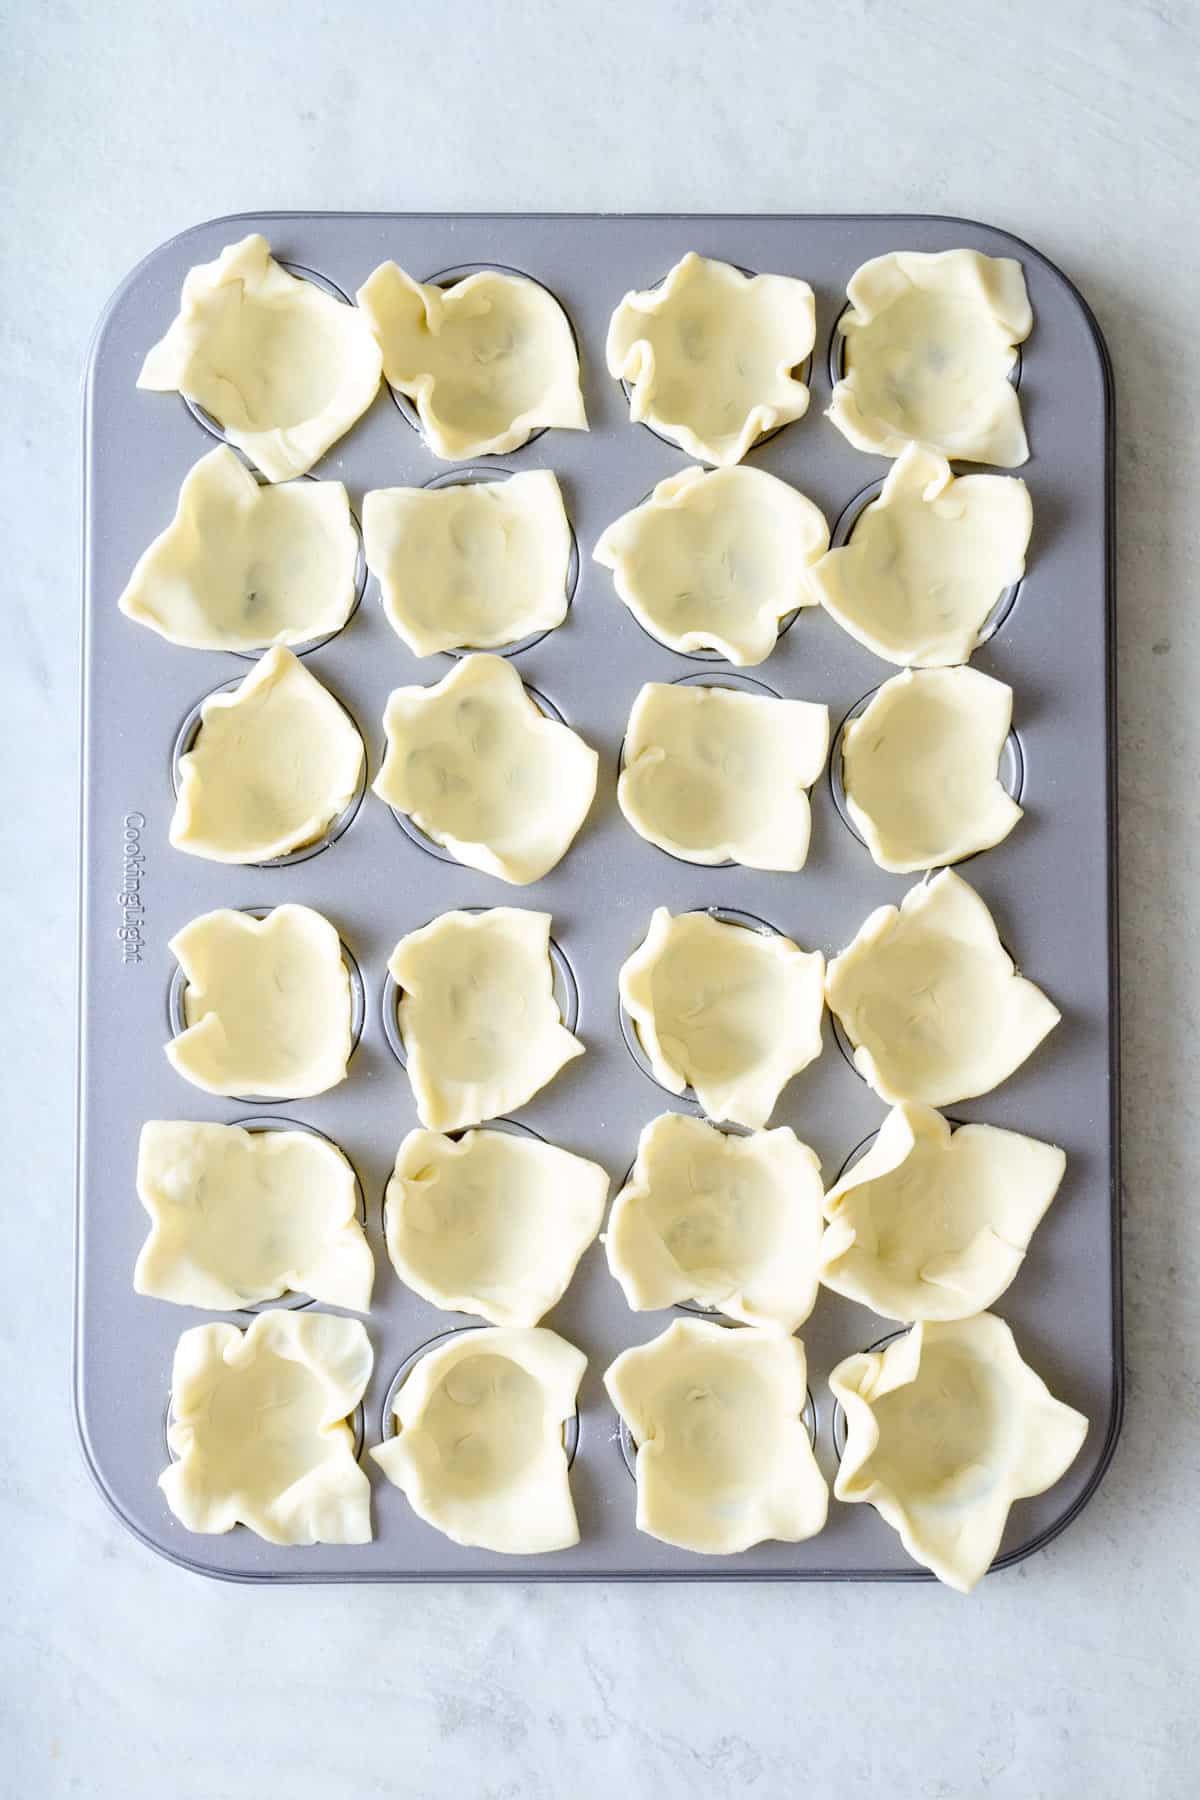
pixel 482 771
pixel 723 1458
pixel 927 562
pixel 479 1442
pixel 934 1224
pixel 243 566
pixel 243 1216
pixel 274 763
pixel 920 768
pixel 492 1224
pixel 715 559
pixel 731 1222
pixel 944 1430
pixel 474 566
pixel 711 354
pixel 930 998
pixel 267 1004
pixel 283 367
pixel 482 1030
pixel 486 362
pixel 260 1429
pixel 930 344
pixel 713 775
pixel 733 1011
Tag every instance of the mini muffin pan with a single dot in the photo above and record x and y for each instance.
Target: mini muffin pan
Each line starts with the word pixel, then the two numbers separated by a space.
pixel 1050 886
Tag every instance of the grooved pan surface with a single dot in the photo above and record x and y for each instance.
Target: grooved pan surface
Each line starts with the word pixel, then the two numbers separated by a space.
pixel 1050 885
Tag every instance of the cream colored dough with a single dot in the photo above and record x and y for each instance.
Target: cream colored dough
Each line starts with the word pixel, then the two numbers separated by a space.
pixel 713 775
pixel 486 362
pixel 483 772
pixel 944 1430
pixel 927 561
pixel 481 1027
pixel 711 355
pixel 283 367
pixel 732 1011
pixel 492 1224
pixel 274 763
pixel 730 1222
pixel 239 1216
pixel 723 1457
pixel 715 559
pixel 931 1000
pixel 267 1004
pixel 930 344
pixel 475 566
pixel 479 1440
pixel 243 566
pixel 934 1223
pixel 260 1429
pixel 920 768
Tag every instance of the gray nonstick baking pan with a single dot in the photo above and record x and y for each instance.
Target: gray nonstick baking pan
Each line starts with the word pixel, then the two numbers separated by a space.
pixel 1050 885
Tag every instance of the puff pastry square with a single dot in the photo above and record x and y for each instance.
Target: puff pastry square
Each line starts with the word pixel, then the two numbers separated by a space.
pixel 474 566
pixel 267 1004
pixel 244 565
pixel 716 559
pixel 486 362
pixel 711 355
pixel 260 1432
pixel 481 1027
pixel 729 1222
pixel 927 563
pixel 238 1217
pixel 274 763
pixel 732 1011
pixel 944 1430
pixel 931 1000
pixel 930 344
pixel 479 1440
pixel 921 768
pixel 283 367
pixel 480 769
pixel 723 1457
pixel 713 775
pixel 934 1223
pixel 492 1223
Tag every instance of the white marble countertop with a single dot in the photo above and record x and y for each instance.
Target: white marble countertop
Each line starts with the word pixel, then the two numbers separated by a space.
pixel 1073 125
